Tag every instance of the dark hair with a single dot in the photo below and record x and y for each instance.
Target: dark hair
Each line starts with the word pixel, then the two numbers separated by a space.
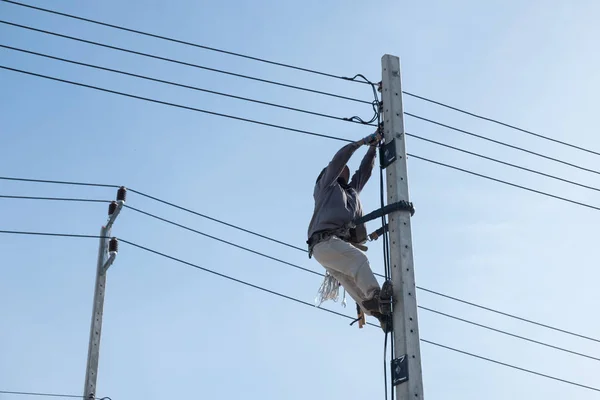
pixel 320 175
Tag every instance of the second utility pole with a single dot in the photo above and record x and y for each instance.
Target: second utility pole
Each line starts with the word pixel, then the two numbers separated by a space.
pixel 406 363
pixel 107 252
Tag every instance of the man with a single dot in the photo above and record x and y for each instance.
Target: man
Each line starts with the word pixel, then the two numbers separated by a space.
pixel 332 240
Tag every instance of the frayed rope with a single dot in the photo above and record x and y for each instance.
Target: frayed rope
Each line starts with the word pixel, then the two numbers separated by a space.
pixel 329 290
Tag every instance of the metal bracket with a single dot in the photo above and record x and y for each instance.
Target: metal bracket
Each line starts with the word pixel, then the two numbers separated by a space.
pixel 387 154
pixel 400 370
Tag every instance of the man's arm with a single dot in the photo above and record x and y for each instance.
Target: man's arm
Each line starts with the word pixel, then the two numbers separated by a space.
pixel 337 163
pixel 341 158
pixel 362 175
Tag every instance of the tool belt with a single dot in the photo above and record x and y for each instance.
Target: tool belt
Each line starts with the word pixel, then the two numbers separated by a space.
pixel 322 236
pixel 346 234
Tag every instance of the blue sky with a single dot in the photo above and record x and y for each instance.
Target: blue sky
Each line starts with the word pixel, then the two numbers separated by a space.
pixel 170 330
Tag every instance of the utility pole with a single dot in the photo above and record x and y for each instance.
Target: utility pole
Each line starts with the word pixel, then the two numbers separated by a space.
pixel 406 363
pixel 107 252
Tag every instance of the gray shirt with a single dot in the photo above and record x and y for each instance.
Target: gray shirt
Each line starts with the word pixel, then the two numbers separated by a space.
pixel 337 204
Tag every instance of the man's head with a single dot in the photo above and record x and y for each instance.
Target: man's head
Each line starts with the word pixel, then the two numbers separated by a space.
pixel 345 175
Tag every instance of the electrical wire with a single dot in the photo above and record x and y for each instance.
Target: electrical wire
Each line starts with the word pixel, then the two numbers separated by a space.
pixel 279 260
pixel 182 62
pixel 121 72
pixel 179 260
pixel 346 316
pixel 173 104
pixel 508 315
pixel 312 71
pixel 147 249
pixel 506 183
pixel 220 240
pixel 495 121
pixel 70 396
pixel 70 235
pixel 3 196
pixel 510 365
pixel 216 220
pixel 55 182
pixel 188 210
pixel 501 143
pixel 502 162
pixel 479 116
pixel 508 333
pixel 292 130
pixel 295 109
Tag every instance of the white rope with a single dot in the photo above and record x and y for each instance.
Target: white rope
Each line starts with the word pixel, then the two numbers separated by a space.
pixel 329 290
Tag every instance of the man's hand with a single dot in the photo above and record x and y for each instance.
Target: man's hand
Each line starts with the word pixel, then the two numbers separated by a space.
pixel 373 138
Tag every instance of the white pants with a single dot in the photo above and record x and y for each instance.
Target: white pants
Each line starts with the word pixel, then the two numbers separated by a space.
pixel 350 266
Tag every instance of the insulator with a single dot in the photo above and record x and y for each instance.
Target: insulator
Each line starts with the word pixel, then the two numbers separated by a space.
pixel 112 207
pixel 121 193
pixel 113 245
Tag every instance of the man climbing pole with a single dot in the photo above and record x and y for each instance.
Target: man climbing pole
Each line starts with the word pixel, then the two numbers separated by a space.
pixel 335 242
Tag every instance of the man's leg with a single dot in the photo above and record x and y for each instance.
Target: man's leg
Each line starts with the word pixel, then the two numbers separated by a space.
pixel 350 267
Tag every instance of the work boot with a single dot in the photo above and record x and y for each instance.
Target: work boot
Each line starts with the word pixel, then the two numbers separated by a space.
pixel 385 321
pixel 372 305
pixel 385 298
pixel 381 301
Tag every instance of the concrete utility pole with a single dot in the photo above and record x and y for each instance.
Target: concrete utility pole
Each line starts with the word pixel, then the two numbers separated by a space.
pixel 406 365
pixel 107 253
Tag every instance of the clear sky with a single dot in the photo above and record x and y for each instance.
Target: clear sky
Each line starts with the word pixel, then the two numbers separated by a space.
pixel 171 331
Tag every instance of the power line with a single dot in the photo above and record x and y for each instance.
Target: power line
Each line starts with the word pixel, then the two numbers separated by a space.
pixel 508 315
pixel 173 104
pixel 300 302
pixel 510 365
pixel 121 72
pixel 183 62
pixel 346 316
pixel 302 69
pixel 377 274
pixel 216 220
pixel 508 333
pixel 501 143
pixel 321 275
pixel 2 196
pixel 479 116
pixel 71 396
pixel 221 240
pixel 188 210
pixel 182 41
pixel 505 182
pixel 70 235
pixel 495 121
pixel 55 182
pixel 292 130
pixel 502 162
pixel 235 279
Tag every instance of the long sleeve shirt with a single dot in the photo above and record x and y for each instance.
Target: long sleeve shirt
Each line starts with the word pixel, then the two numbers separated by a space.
pixel 337 204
